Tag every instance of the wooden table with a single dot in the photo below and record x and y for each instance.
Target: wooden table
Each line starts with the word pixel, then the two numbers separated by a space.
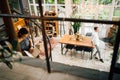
pixel 70 39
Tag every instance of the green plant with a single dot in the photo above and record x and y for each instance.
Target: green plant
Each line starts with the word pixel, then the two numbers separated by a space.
pixel 61 1
pixel 50 1
pixel 105 1
pixel 76 26
pixel 76 1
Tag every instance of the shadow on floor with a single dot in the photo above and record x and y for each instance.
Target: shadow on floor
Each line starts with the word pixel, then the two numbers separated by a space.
pixel 73 70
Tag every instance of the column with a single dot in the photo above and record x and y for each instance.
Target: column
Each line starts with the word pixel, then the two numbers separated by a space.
pixel 68 11
pixel 5 9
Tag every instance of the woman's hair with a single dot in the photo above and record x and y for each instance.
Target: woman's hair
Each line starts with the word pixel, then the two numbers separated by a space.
pixel 22 32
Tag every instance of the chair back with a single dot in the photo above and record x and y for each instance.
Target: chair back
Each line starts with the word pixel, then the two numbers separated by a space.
pixel 89 34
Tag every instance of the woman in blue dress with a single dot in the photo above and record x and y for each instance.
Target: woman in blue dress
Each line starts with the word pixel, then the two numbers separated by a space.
pixel 24 39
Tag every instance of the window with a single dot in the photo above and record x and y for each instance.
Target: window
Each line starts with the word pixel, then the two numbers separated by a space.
pixel 50 1
pixel 94 2
pixel 38 10
pixel 31 1
pixel 117 12
pixel 103 13
pixel 36 1
pixel 14 4
pixel 32 10
pixel 117 2
pixel 76 1
pixel 105 1
pixel 61 1
pixel 50 8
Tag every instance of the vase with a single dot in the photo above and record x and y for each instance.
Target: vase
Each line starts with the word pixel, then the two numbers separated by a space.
pixel 70 31
pixel 77 36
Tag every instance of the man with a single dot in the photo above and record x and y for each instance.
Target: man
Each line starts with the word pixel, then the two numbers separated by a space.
pixel 96 42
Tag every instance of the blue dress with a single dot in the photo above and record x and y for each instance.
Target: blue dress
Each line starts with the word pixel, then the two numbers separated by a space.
pixel 25 44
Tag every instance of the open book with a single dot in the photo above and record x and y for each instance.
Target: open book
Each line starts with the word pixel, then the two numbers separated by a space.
pixel 34 54
pixel 28 54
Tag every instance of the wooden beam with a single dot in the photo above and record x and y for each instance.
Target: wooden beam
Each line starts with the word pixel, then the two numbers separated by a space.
pixel 5 9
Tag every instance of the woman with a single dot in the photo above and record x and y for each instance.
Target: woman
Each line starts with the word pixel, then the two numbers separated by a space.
pixel 24 40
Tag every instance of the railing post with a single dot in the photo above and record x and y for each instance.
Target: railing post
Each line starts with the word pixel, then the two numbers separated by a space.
pixel 114 58
pixel 44 36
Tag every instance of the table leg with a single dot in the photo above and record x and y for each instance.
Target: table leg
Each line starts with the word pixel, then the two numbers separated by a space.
pixel 62 49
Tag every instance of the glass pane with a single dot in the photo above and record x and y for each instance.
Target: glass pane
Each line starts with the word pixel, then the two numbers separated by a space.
pixel 61 1
pixel 32 10
pixel 117 12
pixel 76 1
pixel 50 1
pixel 31 1
pixel 14 4
pixel 36 1
pixel 61 11
pixel 75 13
pixel 105 1
pixel 94 1
pixel 87 1
pixel 117 2
pixel 38 10
pixel 50 8
pixel 103 13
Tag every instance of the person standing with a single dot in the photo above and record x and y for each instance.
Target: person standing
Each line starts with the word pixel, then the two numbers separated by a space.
pixel 96 42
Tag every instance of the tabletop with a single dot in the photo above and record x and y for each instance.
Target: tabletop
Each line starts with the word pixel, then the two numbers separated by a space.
pixel 70 39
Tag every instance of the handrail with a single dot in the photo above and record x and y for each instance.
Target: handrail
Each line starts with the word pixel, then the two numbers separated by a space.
pixel 14 10
pixel 46 37
pixel 61 19
pixel 2 25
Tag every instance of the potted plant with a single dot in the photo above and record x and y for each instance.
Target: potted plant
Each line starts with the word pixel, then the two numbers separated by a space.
pixel 76 26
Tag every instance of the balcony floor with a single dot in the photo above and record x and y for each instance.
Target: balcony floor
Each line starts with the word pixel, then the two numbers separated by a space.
pixel 63 67
pixel 83 61
pixel 35 69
